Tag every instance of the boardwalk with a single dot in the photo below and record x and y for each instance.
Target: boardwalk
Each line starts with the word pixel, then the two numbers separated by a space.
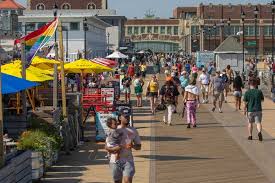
pixel 215 152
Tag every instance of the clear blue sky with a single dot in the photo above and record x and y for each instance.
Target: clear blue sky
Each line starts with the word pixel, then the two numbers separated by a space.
pixel 161 8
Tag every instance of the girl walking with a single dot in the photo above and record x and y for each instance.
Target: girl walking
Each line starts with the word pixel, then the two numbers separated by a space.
pixel 192 101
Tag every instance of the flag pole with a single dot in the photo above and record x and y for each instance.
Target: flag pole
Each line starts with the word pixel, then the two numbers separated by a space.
pixel 23 65
pixel 61 52
pixel 2 158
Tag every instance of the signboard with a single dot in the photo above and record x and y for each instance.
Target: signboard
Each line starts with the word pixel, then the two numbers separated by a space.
pixel 250 43
pixel 101 126
pixel 109 91
pixel 204 58
pixel 116 86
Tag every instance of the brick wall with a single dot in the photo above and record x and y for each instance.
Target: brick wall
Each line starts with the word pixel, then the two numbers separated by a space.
pixel 75 4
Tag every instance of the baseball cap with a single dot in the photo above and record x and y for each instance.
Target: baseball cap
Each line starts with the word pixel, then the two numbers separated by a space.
pixel 124 111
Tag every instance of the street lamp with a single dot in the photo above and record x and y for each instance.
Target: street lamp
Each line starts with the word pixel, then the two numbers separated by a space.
pixel 273 12
pixel 67 41
pixel 228 24
pixel 215 33
pixel 85 27
pixel 243 17
pixel 222 29
pixel 108 42
pixel 209 35
pixel 256 12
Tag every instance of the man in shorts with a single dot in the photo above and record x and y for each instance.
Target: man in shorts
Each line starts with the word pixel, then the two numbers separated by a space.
pixel 253 108
pixel 204 79
pixel 124 171
pixel 217 85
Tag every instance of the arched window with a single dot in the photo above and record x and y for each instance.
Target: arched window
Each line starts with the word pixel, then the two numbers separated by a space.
pixel 66 6
pixel 40 6
pixel 91 6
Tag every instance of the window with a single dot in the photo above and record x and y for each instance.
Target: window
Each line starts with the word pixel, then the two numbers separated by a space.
pixel 136 30
pixel 250 30
pixel 30 26
pixel 130 30
pixel 149 30
pixel 40 24
pixel 169 30
pixel 176 30
pixel 142 30
pixel 74 26
pixel 162 30
pixel 194 29
pixel 268 30
pixel 156 30
pixel 40 6
pixel 91 6
pixel 66 6
pixel 19 27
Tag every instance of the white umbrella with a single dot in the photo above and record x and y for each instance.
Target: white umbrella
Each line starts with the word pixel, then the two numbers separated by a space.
pixel 117 54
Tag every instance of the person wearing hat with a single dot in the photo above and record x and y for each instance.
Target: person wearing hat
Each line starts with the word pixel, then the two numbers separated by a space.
pixel 184 81
pixel 191 99
pixel 130 139
pixel 169 96
pixel 217 85
pixel 204 79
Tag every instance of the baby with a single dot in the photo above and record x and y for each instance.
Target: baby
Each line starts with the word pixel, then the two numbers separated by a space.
pixel 114 137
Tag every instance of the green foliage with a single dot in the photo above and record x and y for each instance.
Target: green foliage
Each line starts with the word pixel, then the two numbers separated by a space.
pixel 42 137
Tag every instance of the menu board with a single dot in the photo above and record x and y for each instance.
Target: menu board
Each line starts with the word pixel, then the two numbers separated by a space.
pixel 101 126
pixel 110 92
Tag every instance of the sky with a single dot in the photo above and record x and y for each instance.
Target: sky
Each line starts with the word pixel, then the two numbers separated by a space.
pixel 161 8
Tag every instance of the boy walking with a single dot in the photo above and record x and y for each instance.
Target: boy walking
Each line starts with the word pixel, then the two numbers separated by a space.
pixel 253 108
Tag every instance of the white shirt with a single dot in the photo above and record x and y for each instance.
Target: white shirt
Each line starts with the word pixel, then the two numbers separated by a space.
pixel 204 79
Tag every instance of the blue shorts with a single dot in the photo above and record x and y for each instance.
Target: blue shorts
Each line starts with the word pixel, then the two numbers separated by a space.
pixel 123 169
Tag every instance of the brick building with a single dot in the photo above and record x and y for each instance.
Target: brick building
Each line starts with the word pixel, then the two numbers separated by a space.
pixel 159 35
pixel 67 4
pixel 199 26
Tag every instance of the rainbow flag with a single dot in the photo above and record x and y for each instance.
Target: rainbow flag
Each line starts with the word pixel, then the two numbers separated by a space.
pixel 37 39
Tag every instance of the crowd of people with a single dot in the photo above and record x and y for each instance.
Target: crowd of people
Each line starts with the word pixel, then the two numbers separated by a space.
pixel 197 86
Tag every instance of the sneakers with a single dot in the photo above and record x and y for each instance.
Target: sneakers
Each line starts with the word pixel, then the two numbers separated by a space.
pixel 169 124
pixel 220 110
pixel 249 138
pixel 195 126
pixel 260 136
pixel 203 101
pixel 213 109
pixel 189 126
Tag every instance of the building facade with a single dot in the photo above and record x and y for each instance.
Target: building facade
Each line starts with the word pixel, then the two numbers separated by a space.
pixel 206 26
pixel 158 35
pixel 67 4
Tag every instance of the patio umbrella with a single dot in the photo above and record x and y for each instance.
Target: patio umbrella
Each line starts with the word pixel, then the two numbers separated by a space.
pixel 85 66
pixel 11 84
pixel 32 73
pixel 117 55
pixel 39 60
pixel 106 61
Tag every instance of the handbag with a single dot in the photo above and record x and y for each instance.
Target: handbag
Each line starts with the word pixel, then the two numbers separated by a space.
pixel 161 107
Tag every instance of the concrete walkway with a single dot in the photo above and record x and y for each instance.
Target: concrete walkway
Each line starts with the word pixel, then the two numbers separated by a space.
pixel 217 151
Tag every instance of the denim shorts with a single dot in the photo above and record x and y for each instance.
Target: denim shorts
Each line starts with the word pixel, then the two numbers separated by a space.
pixel 122 169
pixel 255 117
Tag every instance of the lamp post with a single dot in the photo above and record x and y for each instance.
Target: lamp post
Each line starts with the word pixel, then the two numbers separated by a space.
pixel 108 42
pixel 273 12
pixel 243 17
pixel 209 34
pixel 222 30
pixel 215 33
pixel 55 9
pixel 229 28
pixel 256 12
pixel 67 41
pixel 85 27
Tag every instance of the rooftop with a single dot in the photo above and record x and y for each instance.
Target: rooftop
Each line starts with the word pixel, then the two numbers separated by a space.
pixel 10 5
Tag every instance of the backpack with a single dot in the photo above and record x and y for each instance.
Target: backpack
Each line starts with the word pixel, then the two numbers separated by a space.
pixel 169 97
pixel 225 78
